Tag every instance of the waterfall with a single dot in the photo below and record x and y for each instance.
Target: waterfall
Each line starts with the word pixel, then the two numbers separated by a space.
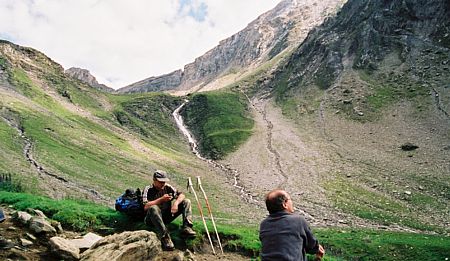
pixel 185 131
pixel 234 174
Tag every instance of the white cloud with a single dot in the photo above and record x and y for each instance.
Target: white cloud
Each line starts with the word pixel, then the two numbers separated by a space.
pixel 122 42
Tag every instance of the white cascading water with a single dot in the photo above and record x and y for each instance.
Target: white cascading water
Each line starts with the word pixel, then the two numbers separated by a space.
pixel 193 143
pixel 185 131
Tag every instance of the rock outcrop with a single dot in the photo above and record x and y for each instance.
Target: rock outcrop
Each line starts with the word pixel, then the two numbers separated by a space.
pixel 284 26
pixel 159 83
pixel 86 77
pixel 127 246
pixel 64 249
pixel 16 243
pixel 364 33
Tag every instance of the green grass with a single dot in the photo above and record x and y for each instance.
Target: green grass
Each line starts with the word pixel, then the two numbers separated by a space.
pixel 73 214
pixel 305 102
pixel 76 148
pixel 373 205
pixel 391 88
pixel 364 244
pixel 340 244
pixel 19 78
pixel 3 62
pixel 151 116
pixel 81 95
pixel 219 121
pixel 69 146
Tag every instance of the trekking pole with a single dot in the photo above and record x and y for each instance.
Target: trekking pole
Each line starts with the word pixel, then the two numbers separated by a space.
pixel 191 187
pixel 199 184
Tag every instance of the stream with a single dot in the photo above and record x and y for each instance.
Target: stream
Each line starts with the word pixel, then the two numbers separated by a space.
pixel 232 174
pixel 44 173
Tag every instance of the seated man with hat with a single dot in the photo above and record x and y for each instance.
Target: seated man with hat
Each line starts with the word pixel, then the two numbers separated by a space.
pixel 163 203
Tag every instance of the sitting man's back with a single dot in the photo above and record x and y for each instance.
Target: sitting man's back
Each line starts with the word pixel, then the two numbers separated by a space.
pixel 285 235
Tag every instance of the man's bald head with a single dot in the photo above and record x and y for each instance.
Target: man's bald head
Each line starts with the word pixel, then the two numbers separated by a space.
pixel 275 200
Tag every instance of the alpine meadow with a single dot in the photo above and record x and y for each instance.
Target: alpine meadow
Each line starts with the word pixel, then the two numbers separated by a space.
pixel 344 104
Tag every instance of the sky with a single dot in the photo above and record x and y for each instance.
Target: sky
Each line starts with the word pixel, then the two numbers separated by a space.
pixel 121 42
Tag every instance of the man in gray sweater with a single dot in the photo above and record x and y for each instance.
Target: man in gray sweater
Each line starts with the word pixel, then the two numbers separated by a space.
pixel 286 235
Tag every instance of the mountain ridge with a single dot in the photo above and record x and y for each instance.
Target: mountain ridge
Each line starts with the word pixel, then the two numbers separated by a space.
pixel 261 40
pixel 85 76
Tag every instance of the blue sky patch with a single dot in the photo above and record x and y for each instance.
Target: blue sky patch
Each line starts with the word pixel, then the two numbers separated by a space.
pixel 195 9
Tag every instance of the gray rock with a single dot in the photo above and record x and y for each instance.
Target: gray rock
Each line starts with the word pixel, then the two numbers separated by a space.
pixel 39 225
pixel 2 216
pixel 22 216
pixel 64 249
pixel 39 213
pixel 25 242
pixel 30 236
pixel 127 246
pixel 57 226
pixel 188 255
pixel 86 241
pixel 85 76
pixel 408 146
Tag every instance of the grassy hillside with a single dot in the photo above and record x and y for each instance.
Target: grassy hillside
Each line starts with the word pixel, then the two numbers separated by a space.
pixel 150 115
pixel 63 139
pixel 79 136
pixel 219 121
pixel 72 145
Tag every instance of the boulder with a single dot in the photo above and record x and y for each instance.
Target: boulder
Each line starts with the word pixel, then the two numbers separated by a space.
pixel 86 241
pixel 126 246
pixel 22 216
pixel 64 249
pixel 409 146
pixel 39 225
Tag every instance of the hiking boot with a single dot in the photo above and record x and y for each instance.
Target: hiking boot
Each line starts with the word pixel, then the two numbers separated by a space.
pixel 188 231
pixel 166 243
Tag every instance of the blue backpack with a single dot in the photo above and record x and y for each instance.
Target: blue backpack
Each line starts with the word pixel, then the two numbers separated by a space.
pixel 2 216
pixel 130 203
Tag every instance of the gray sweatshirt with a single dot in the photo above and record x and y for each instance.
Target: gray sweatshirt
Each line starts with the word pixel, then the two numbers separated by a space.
pixel 286 236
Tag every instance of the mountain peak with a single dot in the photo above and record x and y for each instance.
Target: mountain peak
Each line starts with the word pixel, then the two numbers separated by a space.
pixel 273 32
pixel 86 77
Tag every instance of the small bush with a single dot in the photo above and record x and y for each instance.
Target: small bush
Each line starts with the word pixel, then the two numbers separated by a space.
pixel 7 184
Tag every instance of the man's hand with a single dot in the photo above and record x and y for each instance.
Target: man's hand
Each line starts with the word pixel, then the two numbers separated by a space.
pixel 165 198
pixel 174 209
pixel 320 253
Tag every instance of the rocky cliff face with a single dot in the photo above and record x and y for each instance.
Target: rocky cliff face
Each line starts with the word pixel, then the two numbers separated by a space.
pixel 365 33
pixel 160 83
pixel 85 76
pixel 271 33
